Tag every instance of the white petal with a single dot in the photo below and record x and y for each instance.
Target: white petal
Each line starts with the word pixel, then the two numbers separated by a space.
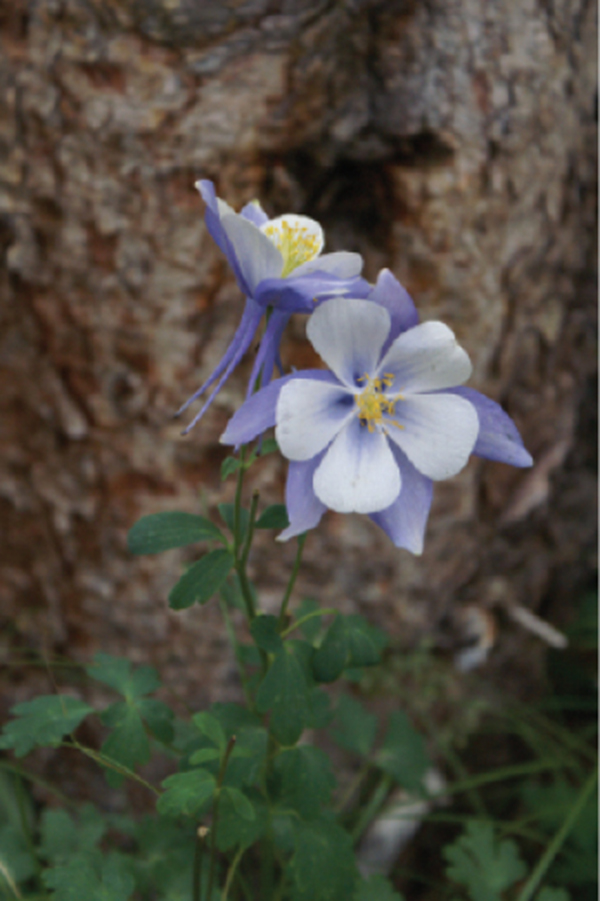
pixel 343 264
pixel 258 257
pixel 439 432
pixel 358 473
pixel 426 358
pixel 309 414
pixel 348 335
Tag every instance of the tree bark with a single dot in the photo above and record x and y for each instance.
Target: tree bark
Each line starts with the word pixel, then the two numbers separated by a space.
pixel 450 140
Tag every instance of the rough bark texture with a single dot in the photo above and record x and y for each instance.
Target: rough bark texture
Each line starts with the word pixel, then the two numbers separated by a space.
pixel 450 140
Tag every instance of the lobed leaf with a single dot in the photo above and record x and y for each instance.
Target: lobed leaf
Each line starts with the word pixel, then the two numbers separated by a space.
pixel 274 517
pixel 203 579
pixel 284 691
pixel 323 866
pixel 356 728
pixel 376 888
pixel 43 722
pixel 403 753
pixel 306 779
pixel 164 531
pixel 486 866
pixel 186 793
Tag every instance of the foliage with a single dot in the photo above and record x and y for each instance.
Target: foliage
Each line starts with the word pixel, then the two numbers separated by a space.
pixel 251 808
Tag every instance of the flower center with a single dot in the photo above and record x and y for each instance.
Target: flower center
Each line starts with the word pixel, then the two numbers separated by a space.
pixel 298 239
pixel 372 403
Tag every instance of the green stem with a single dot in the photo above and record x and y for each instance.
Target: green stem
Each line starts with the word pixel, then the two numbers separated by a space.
pixel 373 807
pixel 110 764
pixel 241 552
pixel 250 534
pixel 231 873
pixel 37 780
pixel 354 785
pixel 327 611
pixel 555 845
pixel 292 580
pixel 197 872
pixel 215 819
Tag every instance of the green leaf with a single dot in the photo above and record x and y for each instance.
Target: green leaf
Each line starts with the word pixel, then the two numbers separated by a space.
pixel 366 642
pixel 163 531
pixel 306 779
pixel 333 655
pixel 486 866
pixel 233 829
pixel 128 743
pixel 231 592
pixel 62 836
pixel 311 628
pixel 118 673
pixel 320 713
pixel 15 855
pixel 202 580
pixel 323 867
pixel 350 641
pixel 284 691
pixel 158 718
pixel 356 728
pixel 43 722
pixel 186 793
pixel 88 875
pixel 274 517
pixel 227 512
pixel 404 754
pixel 212 728
pixel 204 755
pixel 241 804
pixel 265 633
pixel 376 888
pixel 229 466
pixel 268 446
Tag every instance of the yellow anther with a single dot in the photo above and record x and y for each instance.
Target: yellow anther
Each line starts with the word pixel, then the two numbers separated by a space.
pixel 372 403
pixel 298 238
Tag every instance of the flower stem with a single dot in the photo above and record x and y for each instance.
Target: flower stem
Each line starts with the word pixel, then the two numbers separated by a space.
pixel 215 821
pixel 231 873
pixel 241 550
pixel 292 581
pixel 555 845
pixel 198 854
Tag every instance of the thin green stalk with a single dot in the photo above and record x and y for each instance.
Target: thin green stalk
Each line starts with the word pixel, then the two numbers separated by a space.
pixel 110 764
pixel 373 807
pixel 4 871
pixel 354 785
pixel 26 829
pixel 326 611
pixel 241 553
pixel 557 842
pixel 215 818
pixel 500 775
pixel 37 780
pixel 231 873
pixel 292 580
pixel 250 533
pixel 201 833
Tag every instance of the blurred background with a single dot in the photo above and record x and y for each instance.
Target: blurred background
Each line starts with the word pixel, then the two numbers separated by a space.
pixel 453 141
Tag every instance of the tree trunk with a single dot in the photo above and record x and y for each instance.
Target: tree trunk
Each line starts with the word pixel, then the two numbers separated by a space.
pixel 450 140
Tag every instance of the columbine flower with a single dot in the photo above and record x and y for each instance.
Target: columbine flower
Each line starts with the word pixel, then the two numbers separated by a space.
pixel 279 267
pixel 374 433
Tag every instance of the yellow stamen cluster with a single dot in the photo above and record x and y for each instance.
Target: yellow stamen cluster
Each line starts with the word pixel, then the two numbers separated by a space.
pixel 372 403
pixel 296 243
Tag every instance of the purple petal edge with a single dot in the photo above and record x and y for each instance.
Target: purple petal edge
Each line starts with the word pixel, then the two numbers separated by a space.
pixel 303 506
pixel 257 414
pixel 405 521
pixel 498 438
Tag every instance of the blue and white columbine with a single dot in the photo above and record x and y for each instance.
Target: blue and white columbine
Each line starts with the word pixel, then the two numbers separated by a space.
pixel 390 417
pixel 279 267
